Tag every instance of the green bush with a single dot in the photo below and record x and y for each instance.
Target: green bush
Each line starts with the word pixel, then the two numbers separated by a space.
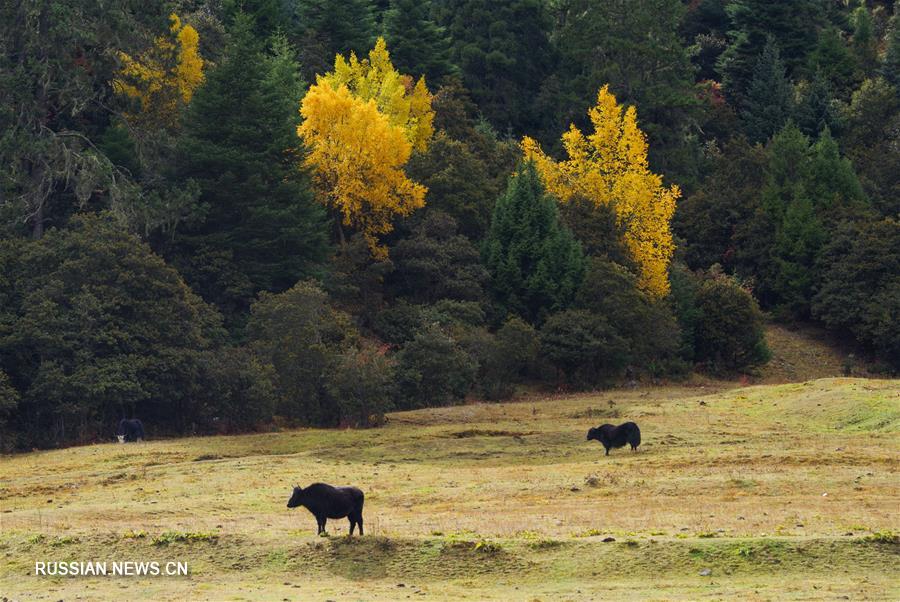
pixel 398 323
pixel 729 334
pixel 433 370
pixel 303 337
pixel 361 385
pixel 93 327
pixel 860 285
pixel 584 348
pixel 238 391
pixel 648 328
pixel 502 357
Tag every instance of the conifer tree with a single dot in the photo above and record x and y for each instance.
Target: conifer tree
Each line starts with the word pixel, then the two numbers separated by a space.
pixel 792 24
pixel 865 45
pixel 813 111
pixel 502 48
pixel 262 230
pixel 769 98
pixel 327 28
pixel 838 64
pixel 535 262
pixel 634 48
pixel 831 181
pixel 890 64
pixel 797 244
pixel 419 46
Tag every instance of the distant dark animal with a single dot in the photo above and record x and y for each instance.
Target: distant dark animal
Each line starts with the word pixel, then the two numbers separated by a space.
pixel 130 430
pixel 616 436
pixel 325 501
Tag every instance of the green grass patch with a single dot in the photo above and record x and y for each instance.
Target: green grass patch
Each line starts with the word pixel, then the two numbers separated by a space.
pixel 170 537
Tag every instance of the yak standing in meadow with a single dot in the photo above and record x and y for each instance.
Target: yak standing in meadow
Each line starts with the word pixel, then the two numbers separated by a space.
pixel 130 431
pixel 326 501
pixel 616 436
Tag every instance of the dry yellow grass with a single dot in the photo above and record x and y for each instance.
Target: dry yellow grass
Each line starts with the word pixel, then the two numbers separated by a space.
pixel 492 501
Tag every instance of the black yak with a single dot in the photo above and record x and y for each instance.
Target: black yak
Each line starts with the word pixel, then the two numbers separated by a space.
pixel 130 430
pixel 616 436
pixel 325 501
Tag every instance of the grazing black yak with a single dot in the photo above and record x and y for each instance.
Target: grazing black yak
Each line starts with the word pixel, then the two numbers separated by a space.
pixel 130 430
pixel 325 502
pixel 616 436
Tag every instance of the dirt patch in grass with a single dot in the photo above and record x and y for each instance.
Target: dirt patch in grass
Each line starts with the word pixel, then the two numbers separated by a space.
pixel 487 433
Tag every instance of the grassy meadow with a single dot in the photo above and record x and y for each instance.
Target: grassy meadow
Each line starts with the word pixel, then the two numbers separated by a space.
pixel 777 491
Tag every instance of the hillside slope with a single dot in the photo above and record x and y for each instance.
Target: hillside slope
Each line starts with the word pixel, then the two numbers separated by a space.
pixel 803 353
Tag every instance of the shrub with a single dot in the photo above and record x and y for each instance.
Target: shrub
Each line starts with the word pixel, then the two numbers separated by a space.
pixel 303 337
pixel 502 357
pixel 361 386
pixel 729 335
pixel 584 347
pixel 398 323
pixel 102 328
pixel 860 288
pixel 647 327
pixel 433 370
pixel 436 262
pixel 238 391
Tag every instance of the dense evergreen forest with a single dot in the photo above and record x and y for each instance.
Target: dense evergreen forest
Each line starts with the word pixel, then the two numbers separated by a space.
pixel 224 215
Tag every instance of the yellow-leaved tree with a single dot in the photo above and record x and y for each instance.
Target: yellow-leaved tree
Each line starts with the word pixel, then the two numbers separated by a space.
pixel 164 77
pixel 609 167
pixel 406 105
pixel 361 123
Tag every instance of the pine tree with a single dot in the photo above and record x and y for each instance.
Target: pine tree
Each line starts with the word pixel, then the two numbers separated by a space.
pixel 769 98
pixel 808 190
pixel 870 141
pixel 797 244
pixel 890 64
pixel 838 64
pixel 792 24
pixel 535 263
pixel 262 229
pixel 813 111
pixel 268 15
pixel 502 48
pixel 418 45
pixel 865 45
pixel 634 48
pixel 326 28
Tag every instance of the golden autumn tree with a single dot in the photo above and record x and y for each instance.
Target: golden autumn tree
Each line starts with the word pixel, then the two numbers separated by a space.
pixel 609 167
pixel 406 105
pixel 361 123
pixel 164 77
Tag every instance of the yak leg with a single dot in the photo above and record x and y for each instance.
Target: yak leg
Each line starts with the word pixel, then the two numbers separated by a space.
pixel 352 524
pixel 359 522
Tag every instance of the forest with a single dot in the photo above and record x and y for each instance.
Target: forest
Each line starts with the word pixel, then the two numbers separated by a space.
pixel 232 215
